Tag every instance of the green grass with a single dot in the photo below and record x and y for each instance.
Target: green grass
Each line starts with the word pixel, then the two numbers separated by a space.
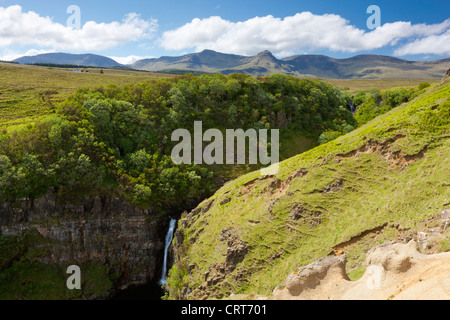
pixel 375 190
pixel 356 85
pixel 372 192
pixel 30 92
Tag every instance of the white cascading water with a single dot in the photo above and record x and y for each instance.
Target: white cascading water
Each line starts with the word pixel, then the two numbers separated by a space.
pixel 169 237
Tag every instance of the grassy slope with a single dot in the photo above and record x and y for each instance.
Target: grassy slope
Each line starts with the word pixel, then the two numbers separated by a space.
pixel 353 86
pixel 392 171
pixel 20 88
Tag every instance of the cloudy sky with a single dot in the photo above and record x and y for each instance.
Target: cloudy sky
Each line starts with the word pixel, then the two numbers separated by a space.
pixel 129 30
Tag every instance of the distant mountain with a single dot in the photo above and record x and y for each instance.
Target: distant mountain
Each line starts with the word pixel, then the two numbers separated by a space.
pixel 205 61
pixel 88 60
pixel 264 63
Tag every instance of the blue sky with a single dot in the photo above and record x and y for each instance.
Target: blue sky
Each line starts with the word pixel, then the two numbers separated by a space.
pixel 127 30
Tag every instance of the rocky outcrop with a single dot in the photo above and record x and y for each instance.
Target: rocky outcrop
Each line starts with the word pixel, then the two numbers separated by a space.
pixel 393 271
pixel 319 272
pixel 127 238
pixel 235 253
pixel 236 249
pixel 447 75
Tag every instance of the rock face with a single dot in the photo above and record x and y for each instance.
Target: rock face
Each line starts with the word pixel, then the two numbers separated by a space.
pixel 447 74
pixel 107 230
pixel 315 274
pixel 394 271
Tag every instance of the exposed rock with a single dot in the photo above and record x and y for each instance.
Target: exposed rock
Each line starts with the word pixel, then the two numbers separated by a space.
pixel 225 201
pixel 107 230
pixel 311 217
pixel 447 75
pixel 236 252
pixel 445 218
pixel 207 206
pixel 225 234
pixel 192 216
pixel 396 159
pixel 275 185
pixel 311 276
pixel 394 271
pixel 296 212
pixel 334 186
pixel 191 267
pixel 215 274
pixel 236 249
pixel 397 258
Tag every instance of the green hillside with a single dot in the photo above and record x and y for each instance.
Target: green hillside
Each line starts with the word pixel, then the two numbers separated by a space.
pixel 108 134
pixel 118 138
pixel 30 92
pixel 372 185
pixel 114 141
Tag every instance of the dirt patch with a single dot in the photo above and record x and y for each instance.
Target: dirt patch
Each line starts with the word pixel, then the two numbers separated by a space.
pixel 340 248
pixel 396 159
pixel 334 186
pixel 302 213
pixel 278 187
pixel 248 186
pixel 253 222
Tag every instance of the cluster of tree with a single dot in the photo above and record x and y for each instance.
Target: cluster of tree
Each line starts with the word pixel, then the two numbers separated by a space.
pixel 119 138
pixel 63 66
pixel 374 102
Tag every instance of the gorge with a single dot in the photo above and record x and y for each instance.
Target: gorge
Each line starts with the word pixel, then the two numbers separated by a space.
pixel 117 245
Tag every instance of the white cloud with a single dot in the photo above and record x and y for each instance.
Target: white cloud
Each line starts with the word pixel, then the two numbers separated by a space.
pixel 434 44
pixel 130 59
pixel 302 32
pixel 18 28
pixel 10 55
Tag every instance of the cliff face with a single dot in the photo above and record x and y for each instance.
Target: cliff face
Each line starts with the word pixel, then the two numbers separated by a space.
pixel 108 231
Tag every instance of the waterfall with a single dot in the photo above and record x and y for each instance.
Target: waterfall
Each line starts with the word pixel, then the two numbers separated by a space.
pixel 352 107
pixel 169 237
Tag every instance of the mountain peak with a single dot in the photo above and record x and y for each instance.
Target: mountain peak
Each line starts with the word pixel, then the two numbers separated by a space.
pixel 265 53
pixel 208 51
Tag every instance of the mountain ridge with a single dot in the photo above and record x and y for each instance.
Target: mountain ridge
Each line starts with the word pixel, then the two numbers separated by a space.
pixel 364 66
pixel 88 60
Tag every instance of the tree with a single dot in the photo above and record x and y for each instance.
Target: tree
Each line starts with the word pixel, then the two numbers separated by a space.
pixel 9 179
